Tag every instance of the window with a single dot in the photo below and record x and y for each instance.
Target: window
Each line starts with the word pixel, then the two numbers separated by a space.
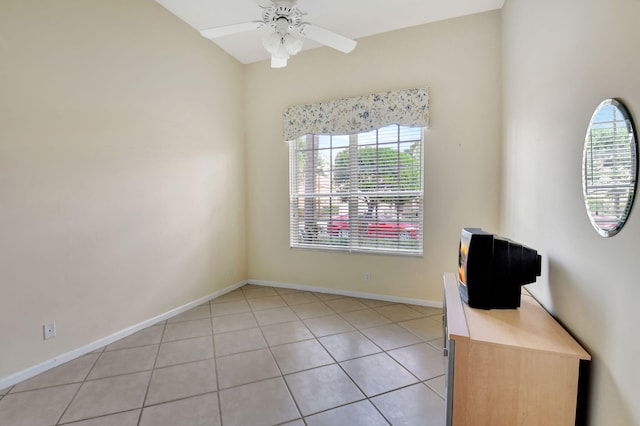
pixel 360 192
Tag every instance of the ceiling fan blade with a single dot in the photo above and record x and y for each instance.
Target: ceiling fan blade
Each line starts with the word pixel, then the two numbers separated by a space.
pixel 212 33
pixel 328 38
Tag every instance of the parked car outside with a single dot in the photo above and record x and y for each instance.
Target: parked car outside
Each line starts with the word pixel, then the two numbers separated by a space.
pixel 383 227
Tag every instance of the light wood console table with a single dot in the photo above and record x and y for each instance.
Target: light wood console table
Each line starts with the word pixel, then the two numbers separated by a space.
pixel 508 366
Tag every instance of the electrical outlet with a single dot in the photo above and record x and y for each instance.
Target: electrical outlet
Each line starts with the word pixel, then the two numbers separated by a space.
pixel 229 272
pixel 49 330
pixel 367 276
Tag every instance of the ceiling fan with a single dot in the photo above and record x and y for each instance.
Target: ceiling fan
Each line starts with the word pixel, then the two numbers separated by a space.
pixel 286 20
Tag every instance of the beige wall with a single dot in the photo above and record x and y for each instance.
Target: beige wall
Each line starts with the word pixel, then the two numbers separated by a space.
pixel 459 60
pixel 121 171
pixel 560 60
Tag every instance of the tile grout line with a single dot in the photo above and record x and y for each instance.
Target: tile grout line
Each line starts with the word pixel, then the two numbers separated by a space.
pixel 367 397
pixel 215 365
pixel 335 361
pixel 364 394
pixel 286 384
pixel 282 376
pixel 75 395
pixel 317 340
pixel 155 362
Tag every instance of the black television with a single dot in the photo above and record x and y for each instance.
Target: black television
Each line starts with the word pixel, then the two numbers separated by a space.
pixel 492 268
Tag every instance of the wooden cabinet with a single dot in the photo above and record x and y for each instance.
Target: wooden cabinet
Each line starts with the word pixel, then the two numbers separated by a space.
pixel 508 366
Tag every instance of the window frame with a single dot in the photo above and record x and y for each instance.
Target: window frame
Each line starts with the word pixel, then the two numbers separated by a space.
pixel 400 236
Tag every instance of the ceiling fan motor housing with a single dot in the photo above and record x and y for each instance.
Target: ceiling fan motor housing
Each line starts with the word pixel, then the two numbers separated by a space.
pixel 280 15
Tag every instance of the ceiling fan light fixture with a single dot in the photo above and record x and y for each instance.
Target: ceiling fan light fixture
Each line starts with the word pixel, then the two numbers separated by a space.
pixel 272 42
pixel 277 46
pixel 293 44
pixel 280 57
pixel 278 62
pixel 281 45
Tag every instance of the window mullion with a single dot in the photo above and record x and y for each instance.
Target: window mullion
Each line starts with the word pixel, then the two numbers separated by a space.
pixel 310 224
pixel 353 189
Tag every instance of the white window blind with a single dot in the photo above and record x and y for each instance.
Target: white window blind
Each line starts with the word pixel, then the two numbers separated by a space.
pixel 361 192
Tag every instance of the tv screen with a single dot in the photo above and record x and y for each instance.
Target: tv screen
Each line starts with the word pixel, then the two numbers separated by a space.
pixel 492 268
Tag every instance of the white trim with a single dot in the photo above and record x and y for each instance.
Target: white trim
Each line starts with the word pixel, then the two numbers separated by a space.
pixel 360 294
pixel 30 372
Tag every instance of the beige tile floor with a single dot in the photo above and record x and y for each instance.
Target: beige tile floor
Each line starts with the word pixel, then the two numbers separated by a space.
pixel 255 356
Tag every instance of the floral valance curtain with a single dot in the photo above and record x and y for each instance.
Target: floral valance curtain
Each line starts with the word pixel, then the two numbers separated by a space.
pixel 407 107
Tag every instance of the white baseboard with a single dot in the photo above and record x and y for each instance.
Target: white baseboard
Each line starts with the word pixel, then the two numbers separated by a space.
pixel 30 372
pixel 360 294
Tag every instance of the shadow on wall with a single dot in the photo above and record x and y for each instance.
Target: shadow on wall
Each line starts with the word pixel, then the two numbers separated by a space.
pixel 596 380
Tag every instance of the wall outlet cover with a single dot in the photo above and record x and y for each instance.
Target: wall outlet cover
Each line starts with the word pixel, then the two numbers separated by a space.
pixel 49 330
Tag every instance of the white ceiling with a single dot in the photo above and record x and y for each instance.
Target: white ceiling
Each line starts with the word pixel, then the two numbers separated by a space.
pixel 351 18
